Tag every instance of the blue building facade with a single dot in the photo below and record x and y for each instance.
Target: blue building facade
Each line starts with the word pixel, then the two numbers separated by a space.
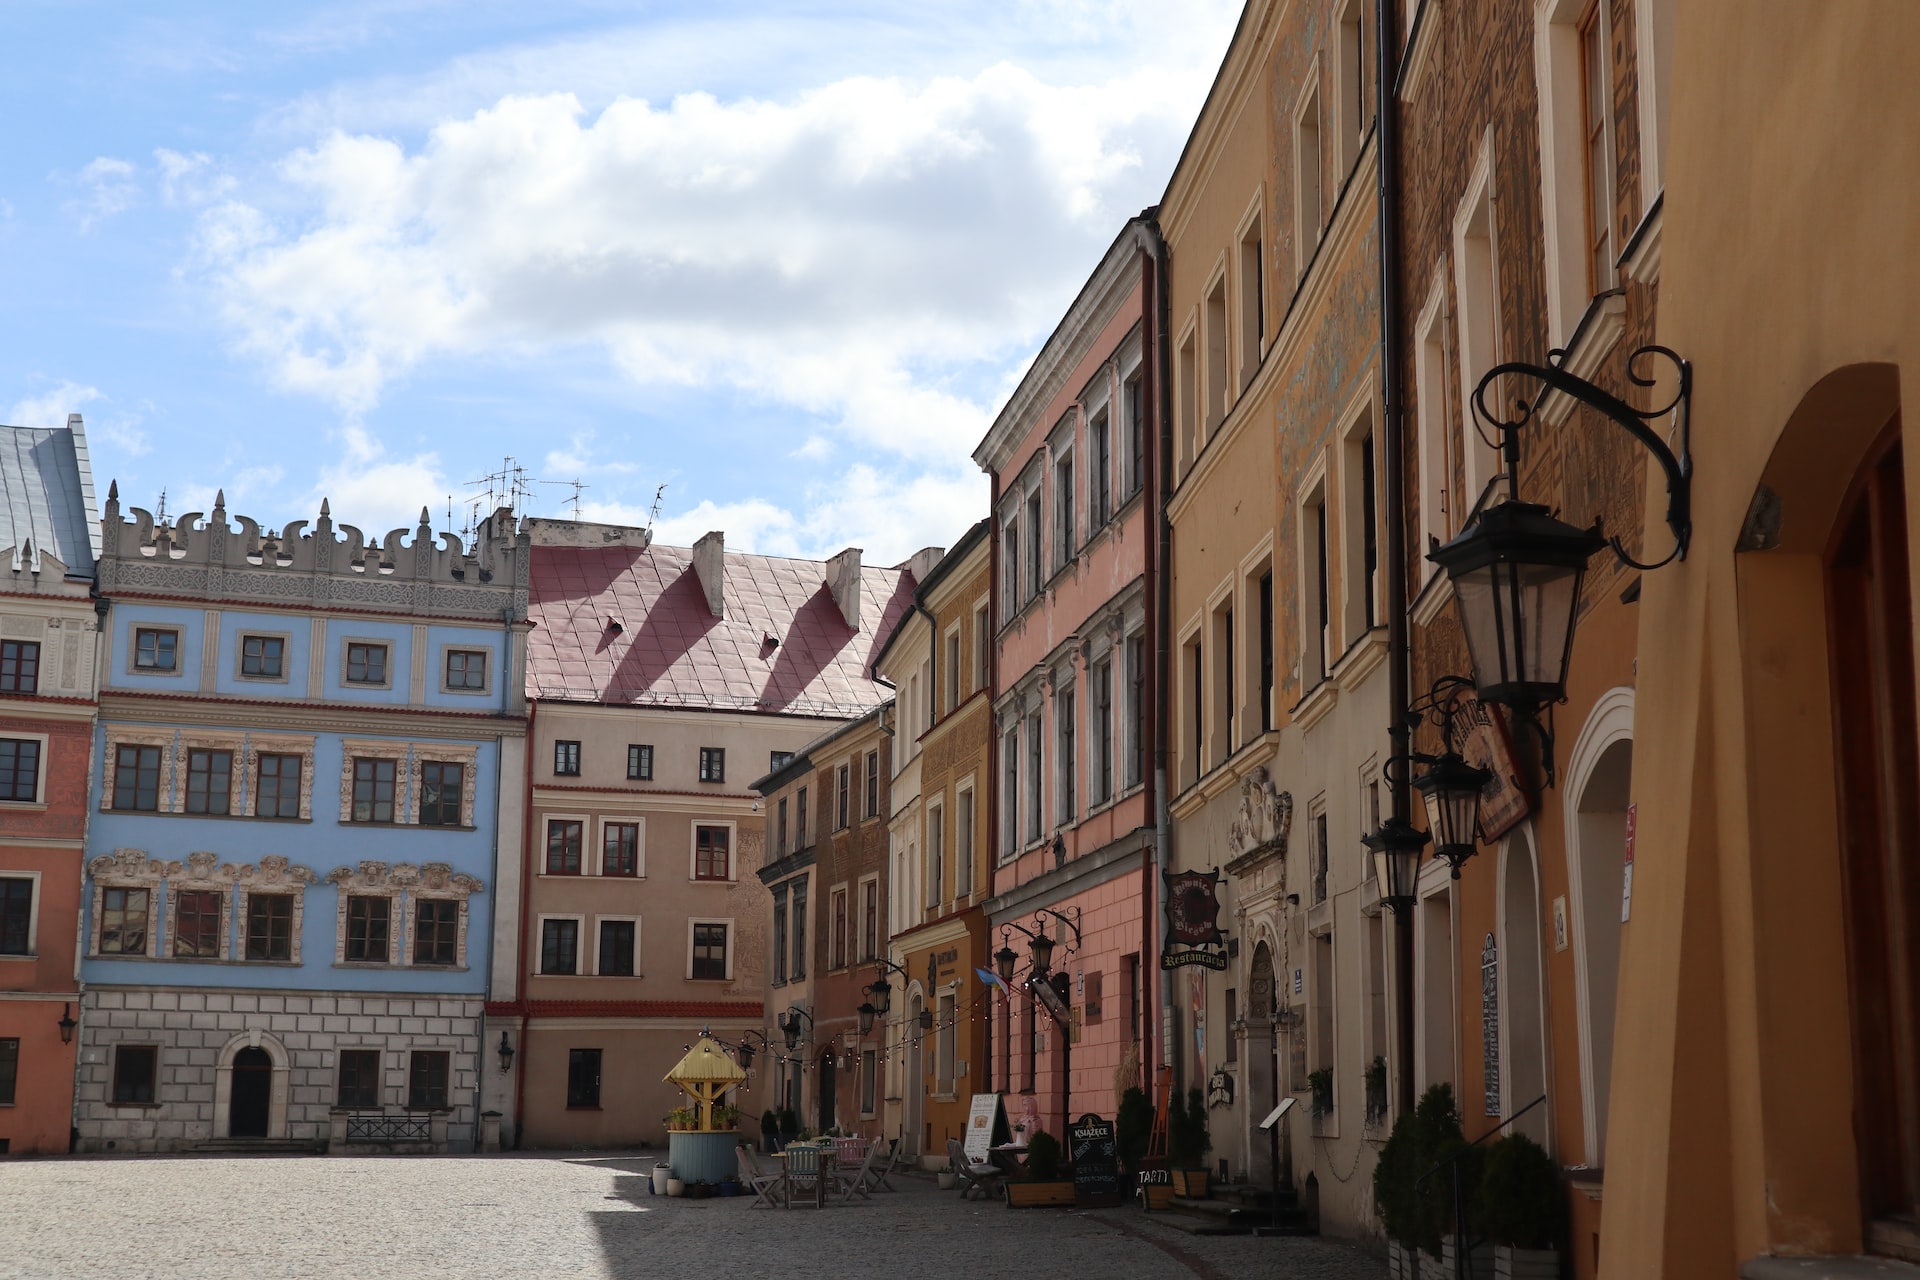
pixel 307 783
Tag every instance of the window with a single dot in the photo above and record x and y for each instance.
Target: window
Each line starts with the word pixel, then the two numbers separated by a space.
pixel 780 847
pixel 710 951
pixel 1033 543
pixel 196 924
pixel 16 916
pixel 155 650
pixel 713 764
pixel 373 781
pixel 620 849
pixel 1318 855
pixel 870 919
pixel 209 775
pixel 583 1078
pixel 1232 1042
pixel 1010 793
pixel 136 778
pixel 1217 356
pixel 19 666
pixel 1266 651
pixel 1596 97
pixel 839 929
pixel 1476 266
pixel 873 784
pixel 366 663
pixel 359 1086
pixel 869 1080
pixel 564 841
pixel 1010 559
pixel 467 669
pixel 640 762
pixel 1066 525
pixel 779 935
pixel 956 673
pixel 263 656
pixel 1065 720
pixel 963 844
pixel 982 648
pixel 1100 774
pixel 800 927
pixel 123 921
pixel 1436 440
pixel 427 1079
pixel 1036 763
pixel 134 1067
pixel 1360 546
pixel 436 931
pixel 936 857
pixel 278 795
pixel 1318 640
pixel 441 785
pixel 710 861
pixel 1253 303
pixel 566 759
pixel 1225 723
pixel 1095 998
pixel 1100 470
pixel 1350 80
pixel 1187 402
pixel 945 1042
pixel 778 760
pixel 1135 425
pixel 1032 1030
pixel 842 796
pixel 616 949
pixel 269 926
pixel 560 946
pixel 1192 673
pixel 20 769
pixel 1136 1005
pixel 369 921
pixel 1136 709
pixel 800 819
pixel 1309 163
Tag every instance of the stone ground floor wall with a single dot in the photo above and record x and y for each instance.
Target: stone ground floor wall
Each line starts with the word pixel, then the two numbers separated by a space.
pixel 198 1032
pixel 635 1055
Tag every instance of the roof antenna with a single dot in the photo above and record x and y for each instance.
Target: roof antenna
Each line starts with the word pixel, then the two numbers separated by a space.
pixel 653 512
pixel 160 512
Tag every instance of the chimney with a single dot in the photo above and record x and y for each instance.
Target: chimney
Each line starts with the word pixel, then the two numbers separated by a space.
pixel 710 562
pixel 843 579
pixel 922 562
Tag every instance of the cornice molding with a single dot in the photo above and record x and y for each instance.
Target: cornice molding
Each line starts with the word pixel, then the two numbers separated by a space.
pixel 175 709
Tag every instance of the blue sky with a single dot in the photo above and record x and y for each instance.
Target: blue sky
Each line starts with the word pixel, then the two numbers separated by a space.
pixel 785 260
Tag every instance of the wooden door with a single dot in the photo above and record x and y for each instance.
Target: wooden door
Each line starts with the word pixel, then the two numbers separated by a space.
pixel 1870 636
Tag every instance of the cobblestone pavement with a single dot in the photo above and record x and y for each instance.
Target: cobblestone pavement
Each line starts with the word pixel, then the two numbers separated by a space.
pixel 551 1215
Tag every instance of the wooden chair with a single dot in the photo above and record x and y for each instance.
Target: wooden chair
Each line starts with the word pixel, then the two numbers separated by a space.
pixel 857 1180
pixel 883 1171
pixel 848 1152
pixel 809 1170
pixel 982 1177
pixel 767 1187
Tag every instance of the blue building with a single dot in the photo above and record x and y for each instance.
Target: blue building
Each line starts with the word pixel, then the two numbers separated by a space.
pixel 299 824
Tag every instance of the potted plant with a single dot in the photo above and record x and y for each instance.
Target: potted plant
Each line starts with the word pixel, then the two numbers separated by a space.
pixel 681 1120
pixel 1132 1125
pixel 1188 1143
pixel 1416 1211
pixel 1520 1206
pixel 946 1177
pixel 1320 1084
pixel 726 1116
pixel 1039 1182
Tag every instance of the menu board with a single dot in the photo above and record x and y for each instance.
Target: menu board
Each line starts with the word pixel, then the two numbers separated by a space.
pixel 982 1120
pixel 1096 1165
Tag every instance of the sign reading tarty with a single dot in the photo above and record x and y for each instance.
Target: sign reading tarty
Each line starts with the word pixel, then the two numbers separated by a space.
pixel 1193 920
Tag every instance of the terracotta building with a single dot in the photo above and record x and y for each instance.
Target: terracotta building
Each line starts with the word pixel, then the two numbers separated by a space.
pixel 1075 459
pixel 663 681
pixel 48 630
pixel 939 658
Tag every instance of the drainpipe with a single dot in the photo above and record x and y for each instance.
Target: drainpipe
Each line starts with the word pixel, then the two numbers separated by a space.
pixel 1399 732
pixel 1161 549
pixel 520 952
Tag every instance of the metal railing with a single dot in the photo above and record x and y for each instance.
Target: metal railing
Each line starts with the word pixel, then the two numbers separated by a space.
pixel 384 1128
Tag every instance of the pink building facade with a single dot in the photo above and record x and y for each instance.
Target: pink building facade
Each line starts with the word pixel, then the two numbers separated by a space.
pixel 1075 459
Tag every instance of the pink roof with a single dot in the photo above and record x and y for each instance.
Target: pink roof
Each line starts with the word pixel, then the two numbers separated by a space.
pixel 670 651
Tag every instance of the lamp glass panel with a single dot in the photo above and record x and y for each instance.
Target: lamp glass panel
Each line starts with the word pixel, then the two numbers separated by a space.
pixel 1477 599
pixel 1043 953
pixel 882 995
pixel 1548 595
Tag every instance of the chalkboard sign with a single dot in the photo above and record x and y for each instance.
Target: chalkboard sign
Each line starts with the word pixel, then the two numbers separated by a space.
pixel 1096 1165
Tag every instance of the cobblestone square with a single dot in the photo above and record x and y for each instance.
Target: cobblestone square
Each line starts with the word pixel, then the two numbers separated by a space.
pixel 567 1217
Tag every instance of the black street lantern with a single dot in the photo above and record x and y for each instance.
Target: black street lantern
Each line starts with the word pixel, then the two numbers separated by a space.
pixel 1452 788
pixel 505 1051
pixel 1003 961
pixel 1042 947
pixel 790 1028
pixel 1516 574
pixel 882 993
pixel 746 1055
pixel 866 1013
pixel 68 1023
pixel 1396 849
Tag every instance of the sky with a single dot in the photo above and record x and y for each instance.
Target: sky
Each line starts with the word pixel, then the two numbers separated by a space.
pixel 769 269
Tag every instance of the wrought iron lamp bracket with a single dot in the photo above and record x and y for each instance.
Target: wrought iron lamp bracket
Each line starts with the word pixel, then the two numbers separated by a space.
pixel 1677 465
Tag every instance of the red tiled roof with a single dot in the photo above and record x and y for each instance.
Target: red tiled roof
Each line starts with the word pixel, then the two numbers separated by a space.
pixel 672 652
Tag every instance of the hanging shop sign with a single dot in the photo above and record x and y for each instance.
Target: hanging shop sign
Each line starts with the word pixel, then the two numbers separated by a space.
pixel 1193 921
pixel 1487 743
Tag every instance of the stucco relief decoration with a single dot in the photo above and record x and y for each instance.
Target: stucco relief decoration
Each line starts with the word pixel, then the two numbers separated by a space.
pixel 168 740
pixel 1261 826
pixel 274 874
pixel 405 775
pixel 125 869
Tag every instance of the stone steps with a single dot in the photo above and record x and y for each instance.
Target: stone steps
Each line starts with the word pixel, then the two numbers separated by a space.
pixel 258 1147
pixel 1224 1216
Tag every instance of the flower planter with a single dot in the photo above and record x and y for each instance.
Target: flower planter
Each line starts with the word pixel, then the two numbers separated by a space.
pixel 661 1174
pixel 1039 1195
pixel 1480 1256
pixel 676 1187
pixel 1510 1263
pixel 1156 1196
pixel 1399 1261
pixel 947 1179
pixel 1191 1184
pixel 703 1157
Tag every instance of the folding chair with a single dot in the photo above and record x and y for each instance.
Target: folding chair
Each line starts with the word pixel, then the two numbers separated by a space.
pixel 766 1186
pixel 808 1169
pixel 982 1177
pixel 878 1181
pixel 856 1180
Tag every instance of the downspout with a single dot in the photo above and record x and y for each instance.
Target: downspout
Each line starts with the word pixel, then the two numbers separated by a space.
pixel 1399 732
pixel 520 952
pixel 993 760
pixel 1161 548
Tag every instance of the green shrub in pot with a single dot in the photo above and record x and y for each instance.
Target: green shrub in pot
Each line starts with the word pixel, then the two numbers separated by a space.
pixel 1520 1203
pixel 1043 1156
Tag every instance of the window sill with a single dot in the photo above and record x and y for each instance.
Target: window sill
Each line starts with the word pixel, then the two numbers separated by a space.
pixel 23 806
pixel 1315 704
pixel 136 1106
pixel 1433 597
pixel 221 817
pixel 19 955
pixel 583 1107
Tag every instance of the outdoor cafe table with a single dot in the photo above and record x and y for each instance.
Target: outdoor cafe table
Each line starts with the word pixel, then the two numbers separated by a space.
pixel 1008 1155
pixel 826 1169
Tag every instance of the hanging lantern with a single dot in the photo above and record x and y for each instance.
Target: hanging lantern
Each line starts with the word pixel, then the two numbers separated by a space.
pixel 1396 849
pixel 1042 948
pixel 865 1013
pixel 1003 961
pixel 1451 789
pixel 882 992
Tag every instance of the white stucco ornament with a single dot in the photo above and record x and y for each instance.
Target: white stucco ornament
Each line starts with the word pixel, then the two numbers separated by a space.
pixel 1265 818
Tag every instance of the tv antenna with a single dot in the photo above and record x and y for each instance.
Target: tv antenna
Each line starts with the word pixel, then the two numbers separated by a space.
pixel 576 485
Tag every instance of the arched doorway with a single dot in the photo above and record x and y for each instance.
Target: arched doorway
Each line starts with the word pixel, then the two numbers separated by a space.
pixel 1870 654
pixel 1262 1093
pixel 1522 988
pixel 828 1089
pixel 1600 777
pixel 250 1104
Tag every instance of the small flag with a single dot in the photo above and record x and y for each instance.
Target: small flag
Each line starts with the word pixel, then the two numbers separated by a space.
pixel 990 978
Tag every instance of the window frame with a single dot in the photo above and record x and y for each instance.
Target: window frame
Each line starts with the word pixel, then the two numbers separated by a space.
pixel 150 936
pixel 375 1084
pixel 581 1063
pixel 459 794
pixel 694 925
pixel 416 1058
pixel 580 824
pixel 448 653
pixel 240 656
pixel 415 934
pixel 566 757
pixel 178 635
pixel 873 784
pixel 348 644
pixel 119 772
pixel 639 762
pixel 31 929
pixel 600 924
pixel 207 790
pixel 301 767
pixel 713 764
pixel 41 743
pixel 693 851
pixel 18 658
pixel 389 940
pixel 873 920
pixel 843 796
pixel 547 952
pixel 638 823
pixel 249 900
pixel 177 916
pixel 119 1086
pixel 394 803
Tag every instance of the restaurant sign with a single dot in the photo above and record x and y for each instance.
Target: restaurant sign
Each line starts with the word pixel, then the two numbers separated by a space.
pixel 1096 1164
pixel 1193 934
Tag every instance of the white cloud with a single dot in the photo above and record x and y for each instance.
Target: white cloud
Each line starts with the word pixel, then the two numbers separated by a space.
pixel 190 179
pixel 109 187
pixel 365 484
pixel 50 408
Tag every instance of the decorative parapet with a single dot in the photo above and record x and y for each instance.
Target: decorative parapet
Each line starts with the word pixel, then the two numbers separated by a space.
pixel 213 561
